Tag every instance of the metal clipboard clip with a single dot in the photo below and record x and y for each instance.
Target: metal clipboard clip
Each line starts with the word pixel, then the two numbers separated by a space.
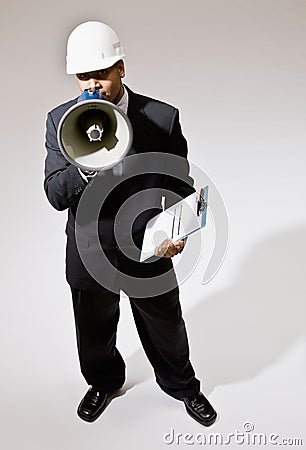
pixel 202 203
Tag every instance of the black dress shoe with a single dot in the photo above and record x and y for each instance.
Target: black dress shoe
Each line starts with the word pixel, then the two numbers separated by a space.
pixel 92 405
pixel 199 408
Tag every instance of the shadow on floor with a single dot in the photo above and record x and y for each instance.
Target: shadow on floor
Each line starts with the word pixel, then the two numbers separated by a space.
pixel 239 331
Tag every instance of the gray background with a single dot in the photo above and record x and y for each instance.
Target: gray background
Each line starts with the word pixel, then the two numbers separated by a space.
pixel 236 70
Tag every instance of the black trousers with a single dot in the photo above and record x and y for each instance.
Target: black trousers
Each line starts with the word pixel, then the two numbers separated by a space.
pixel 162 332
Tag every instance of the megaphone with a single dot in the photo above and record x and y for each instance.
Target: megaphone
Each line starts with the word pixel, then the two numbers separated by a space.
pixel 94 134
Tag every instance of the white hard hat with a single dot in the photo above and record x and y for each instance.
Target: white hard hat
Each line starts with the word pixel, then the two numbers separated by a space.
pixel 92 46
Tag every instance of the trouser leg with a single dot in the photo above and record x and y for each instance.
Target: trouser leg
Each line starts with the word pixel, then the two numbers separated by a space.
pixel 96 319
pixel 162 331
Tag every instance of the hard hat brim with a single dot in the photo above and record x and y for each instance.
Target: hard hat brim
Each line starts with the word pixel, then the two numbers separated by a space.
pixel 91 66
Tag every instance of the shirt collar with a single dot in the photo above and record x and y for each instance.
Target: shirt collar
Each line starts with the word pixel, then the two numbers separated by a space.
pixel 124 101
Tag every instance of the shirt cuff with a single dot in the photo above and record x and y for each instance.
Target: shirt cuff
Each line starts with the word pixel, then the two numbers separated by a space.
pixel 86 177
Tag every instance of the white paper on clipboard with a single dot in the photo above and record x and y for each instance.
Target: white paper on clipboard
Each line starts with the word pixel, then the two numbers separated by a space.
pixel 176 222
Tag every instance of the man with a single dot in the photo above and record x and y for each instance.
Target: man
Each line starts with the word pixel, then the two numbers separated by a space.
pixel 95 56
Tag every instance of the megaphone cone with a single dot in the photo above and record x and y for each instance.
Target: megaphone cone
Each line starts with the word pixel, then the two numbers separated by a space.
pixel 94 135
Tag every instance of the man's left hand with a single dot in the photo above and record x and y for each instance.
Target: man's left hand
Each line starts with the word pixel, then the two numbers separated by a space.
pixel 168 249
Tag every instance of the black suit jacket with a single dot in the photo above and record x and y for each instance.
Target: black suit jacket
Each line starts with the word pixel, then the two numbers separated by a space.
pixel 156 129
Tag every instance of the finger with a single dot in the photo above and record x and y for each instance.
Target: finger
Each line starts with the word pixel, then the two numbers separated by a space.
pixel 172 249
pixel 179 245
pixel 162 249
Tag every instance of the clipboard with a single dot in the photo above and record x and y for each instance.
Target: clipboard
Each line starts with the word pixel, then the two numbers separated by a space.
pixel 177 222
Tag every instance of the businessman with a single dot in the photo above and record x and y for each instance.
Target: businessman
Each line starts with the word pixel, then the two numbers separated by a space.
pixel 95 57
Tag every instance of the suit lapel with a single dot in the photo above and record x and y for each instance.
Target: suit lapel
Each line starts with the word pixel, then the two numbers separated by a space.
pixel 139 120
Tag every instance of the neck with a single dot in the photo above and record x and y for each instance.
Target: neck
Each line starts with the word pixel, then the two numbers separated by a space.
pixel 119 96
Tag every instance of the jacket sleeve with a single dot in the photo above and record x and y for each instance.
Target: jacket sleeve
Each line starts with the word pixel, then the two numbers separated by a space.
pixel 183 183
pixel 63 183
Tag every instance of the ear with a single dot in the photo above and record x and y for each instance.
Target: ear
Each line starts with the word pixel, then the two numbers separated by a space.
pixel 121 68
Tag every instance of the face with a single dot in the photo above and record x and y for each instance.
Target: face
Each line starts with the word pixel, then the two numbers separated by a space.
pixel 107 81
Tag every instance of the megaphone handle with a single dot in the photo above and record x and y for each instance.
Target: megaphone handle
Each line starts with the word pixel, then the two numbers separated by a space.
pixel 87 174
